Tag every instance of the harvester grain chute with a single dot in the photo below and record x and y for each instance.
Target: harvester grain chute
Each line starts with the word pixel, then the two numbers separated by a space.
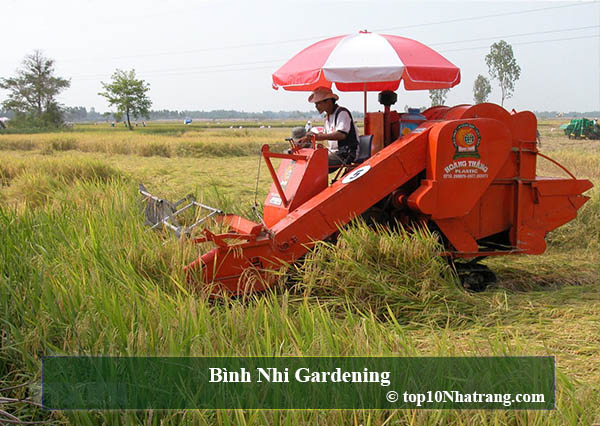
pixel 467 172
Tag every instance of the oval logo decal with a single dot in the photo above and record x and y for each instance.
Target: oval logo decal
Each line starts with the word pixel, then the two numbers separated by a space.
pixel 355 174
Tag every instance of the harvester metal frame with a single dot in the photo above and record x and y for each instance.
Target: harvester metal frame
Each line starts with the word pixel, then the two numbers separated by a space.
pixel 467 171
pixel 160 211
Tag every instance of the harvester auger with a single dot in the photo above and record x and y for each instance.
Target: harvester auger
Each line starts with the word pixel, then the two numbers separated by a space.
pixel 469 172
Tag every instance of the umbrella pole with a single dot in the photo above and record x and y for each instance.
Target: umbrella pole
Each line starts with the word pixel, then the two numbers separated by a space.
pixel 365 99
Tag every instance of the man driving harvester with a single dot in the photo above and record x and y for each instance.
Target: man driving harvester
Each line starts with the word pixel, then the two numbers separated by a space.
pixel 340 129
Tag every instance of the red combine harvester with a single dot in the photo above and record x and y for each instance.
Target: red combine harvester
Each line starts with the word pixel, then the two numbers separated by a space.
pixel 468 172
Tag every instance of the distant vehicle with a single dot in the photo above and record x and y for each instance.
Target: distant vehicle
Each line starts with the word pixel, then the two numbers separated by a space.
pixel 582 128
pixel 187 121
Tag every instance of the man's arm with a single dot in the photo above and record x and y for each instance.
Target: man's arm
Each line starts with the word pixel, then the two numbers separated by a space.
pixel 342 128
pixel 335 136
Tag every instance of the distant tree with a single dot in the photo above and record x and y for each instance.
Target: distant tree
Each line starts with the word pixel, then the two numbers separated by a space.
pixel 93 115
pixel 76 114
pixel 438 96
pixel 6 113
pixel 481 89
pixel 503 67
pixel 128 94
pixel 33 91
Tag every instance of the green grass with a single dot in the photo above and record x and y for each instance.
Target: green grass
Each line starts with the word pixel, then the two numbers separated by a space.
pixel 392 275
pixel 81 275
pixel 160 140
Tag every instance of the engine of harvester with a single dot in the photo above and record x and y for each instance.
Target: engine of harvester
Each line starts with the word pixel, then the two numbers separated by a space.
pixel 467 172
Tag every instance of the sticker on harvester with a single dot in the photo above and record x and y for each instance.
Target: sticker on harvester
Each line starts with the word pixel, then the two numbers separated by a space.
pixel 275 200
pixel 287 174
pixel 466 169
pixel 356 174
pixel 466 139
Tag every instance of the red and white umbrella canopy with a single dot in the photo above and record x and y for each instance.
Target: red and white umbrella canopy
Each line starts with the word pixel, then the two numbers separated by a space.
pixel 367 62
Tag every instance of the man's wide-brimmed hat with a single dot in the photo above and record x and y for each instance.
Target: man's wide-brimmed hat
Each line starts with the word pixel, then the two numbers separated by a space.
pixel 298 133
pixel 322 93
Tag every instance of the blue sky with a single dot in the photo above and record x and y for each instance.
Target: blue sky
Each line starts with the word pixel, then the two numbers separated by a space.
pixel 203 55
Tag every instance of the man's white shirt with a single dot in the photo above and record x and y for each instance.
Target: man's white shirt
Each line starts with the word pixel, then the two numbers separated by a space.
pixel 344 121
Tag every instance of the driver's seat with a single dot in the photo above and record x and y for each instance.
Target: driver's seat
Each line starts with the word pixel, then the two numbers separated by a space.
pixel 364 148
pixel 364 152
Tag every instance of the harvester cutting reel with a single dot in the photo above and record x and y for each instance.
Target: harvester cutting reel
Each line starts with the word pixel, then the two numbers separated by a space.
pixel 161 212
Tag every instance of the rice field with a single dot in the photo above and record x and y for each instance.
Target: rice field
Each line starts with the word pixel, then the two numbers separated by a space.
pixel 81 275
